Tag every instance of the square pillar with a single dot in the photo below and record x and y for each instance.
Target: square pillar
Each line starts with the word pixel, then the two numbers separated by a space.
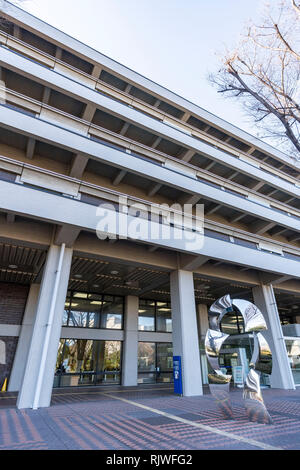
pixel 265 300
pixel 130 344
pixel 37 383
pixel 185 331
pixel 22 351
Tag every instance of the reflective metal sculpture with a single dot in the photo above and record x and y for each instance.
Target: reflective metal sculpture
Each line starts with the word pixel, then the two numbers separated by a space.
pixel 261 360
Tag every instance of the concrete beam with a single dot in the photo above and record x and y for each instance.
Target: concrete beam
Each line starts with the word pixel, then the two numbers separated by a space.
pixel 151 287
pixel 128 88
pixel 121 174
pixel 97 69
pixel 58 53
pixel 271 193
pixel 214 209
pixel 154 188
pixel 210 165
pixel 124 128
pixel 187 157
pixel 186 116
pixel 189 199
pixel 46 95
pixel 258 185
pixel 294 238
pixel 279 230
pixel 233 175
pixel 156 142
pixel 66 234
pixel 191 263
pixel 268 278
pixel 237 218
pixel 262 227
pixel 16 31
pixel 289 200
pixel 78 166
pixel 30 148
pixel 89 112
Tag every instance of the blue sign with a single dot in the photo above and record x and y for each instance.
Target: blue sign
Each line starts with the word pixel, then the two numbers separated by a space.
pixel 177 373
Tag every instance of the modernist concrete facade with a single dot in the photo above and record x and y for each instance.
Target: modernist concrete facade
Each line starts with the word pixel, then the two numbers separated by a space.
pixel 77 130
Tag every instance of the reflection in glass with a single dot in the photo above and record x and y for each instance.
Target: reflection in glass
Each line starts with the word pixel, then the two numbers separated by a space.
pixel 84 310
pixel 87 362
pixel 165 356
pixel 146 315
pixel 155 316
pixel 155 362
pixel 146 356
pixel 293 350
pixel 163 317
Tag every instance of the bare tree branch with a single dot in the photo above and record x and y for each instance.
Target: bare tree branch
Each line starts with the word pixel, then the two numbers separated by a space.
pixel 263 73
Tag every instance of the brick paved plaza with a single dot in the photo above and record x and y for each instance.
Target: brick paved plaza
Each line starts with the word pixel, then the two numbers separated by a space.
pixel 147 418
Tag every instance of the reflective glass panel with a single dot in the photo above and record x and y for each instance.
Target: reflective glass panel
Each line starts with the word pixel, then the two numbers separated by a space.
pixel 293 350
pixel 146 356
pixel 84 310
pixel 164 356
pixel 87 362
pixel 112 312
pixel 163 317
pixel 147 315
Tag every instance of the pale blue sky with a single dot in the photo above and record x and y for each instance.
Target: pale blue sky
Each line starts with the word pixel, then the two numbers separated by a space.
pixel 172 42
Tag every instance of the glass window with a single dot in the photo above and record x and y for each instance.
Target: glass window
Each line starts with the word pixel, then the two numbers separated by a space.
pixel 84 310
pixel 163 317
pixel 146 356
pixel 293 350
pixel 112 312
pixel 165 356
pixel 155 316
pixel 155 362
pixel 146 363
pixel 87 362
pixel 147 315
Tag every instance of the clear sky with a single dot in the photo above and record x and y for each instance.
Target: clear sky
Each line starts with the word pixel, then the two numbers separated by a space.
pixel 173 42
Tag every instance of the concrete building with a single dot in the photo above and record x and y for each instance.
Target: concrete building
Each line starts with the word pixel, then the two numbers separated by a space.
pixel 78 130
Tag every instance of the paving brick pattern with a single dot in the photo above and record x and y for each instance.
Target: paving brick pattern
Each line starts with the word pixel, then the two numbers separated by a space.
pixel 91 418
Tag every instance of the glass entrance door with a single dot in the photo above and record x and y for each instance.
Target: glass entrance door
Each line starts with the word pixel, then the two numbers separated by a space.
pixel 155 362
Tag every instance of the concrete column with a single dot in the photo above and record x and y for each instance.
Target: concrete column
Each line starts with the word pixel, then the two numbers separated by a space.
pixel 185 331
pixel 297 319
pixel 202 317
pixel 49 301
pixel 130 344
pixel 281 376
pixel 21 355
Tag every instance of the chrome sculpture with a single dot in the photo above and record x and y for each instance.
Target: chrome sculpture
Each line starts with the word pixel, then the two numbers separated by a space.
pixel 261 360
